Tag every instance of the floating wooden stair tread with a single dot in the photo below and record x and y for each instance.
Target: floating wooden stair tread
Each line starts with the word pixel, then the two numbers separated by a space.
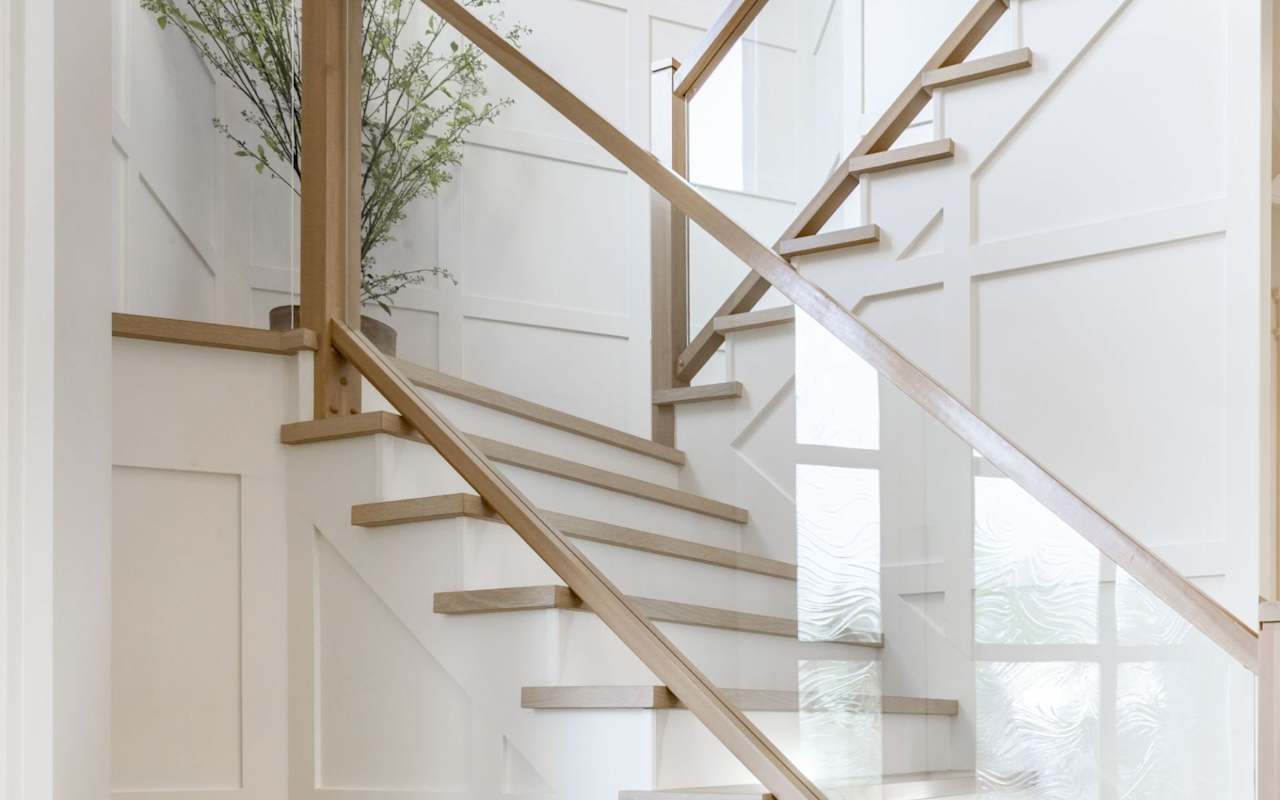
pixel 697 394
pixel 660 697
pixel 905 786
pixel 900 157
pixel 376 422
pixel 451 506
pixel 976 70
pixel 532 598
pixel 519 407
pixel 754 320
pixel 826 242
pixel 207 334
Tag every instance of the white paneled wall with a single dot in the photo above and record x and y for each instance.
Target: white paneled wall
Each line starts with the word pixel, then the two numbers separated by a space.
pixel 1087 272
pixel 546 234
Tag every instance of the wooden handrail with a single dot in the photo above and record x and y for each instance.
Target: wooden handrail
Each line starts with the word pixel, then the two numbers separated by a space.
pixel 832 195
pixel 720 39
pixel 1162 580
pixel 724 720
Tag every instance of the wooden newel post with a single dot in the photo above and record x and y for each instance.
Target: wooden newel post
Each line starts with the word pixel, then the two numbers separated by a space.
pixel 670 246
pixel 330 284
pixel 1269 702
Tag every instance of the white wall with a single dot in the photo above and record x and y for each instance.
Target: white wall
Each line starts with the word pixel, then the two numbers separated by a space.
pixel 54 439
pixel 547 234
pixel 1088 272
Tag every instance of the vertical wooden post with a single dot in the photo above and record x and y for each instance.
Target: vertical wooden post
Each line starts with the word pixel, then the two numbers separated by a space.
pixel 670 246
pixel 330 284
pixel 1268 756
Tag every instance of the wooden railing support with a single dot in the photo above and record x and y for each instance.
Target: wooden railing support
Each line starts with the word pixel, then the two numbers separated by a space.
pixel 1239 640
pixel 669 232
pixel 330 282
pixel 636 631
pixel 1269 702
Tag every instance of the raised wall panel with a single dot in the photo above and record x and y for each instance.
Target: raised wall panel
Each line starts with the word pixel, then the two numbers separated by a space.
pixel 549 366
pixel 555 234
pixel 175 645
pixel 165 273
pixel 594 66
pixel 388 715
pixel 1078 146
pixel 1125 353
pixel 173 98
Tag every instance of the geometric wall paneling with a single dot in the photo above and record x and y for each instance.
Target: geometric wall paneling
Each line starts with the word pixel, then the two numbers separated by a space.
pixel 766 442
pixel 928 242
pixel 1104 180
pixel 176 632
pixel 389 717
pixel 1072 339
pixel 545 365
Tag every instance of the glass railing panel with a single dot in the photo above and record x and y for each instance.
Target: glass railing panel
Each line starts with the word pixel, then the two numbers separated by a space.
pixel 944 634
pixel 1072 679
pixel 205 151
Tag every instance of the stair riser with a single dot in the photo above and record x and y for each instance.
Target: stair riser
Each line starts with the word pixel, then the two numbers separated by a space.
pixel 818 744
pixel 496 558
pixel 504 427
pixel 592 655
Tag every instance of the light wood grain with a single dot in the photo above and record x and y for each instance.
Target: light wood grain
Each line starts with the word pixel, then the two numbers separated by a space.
pixel 976 70
pixel 1207 615
pixel 206 334
pixel 899 786
pixel 332 65
pixel 719 40
pixel 376 422
pixel 660 697
pixel 900 157
pixel 436 381
pixel 752 748
pixel 592 476
pixel 754 320
pixel 533 598
pixel 697 394
pixel 826 242
pixel 1268 760
pixel 832 194
pixel 669 249
pixel 426 509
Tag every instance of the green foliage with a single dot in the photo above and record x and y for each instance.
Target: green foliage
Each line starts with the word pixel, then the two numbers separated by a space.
pixel 419 100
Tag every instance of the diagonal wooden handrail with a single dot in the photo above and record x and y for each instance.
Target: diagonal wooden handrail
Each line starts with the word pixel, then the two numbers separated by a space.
pixel 724 720
pixel 1183 597
pixel 720 39
pixel 828 199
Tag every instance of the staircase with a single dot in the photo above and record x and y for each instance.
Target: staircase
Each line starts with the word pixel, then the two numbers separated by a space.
pixel 679 556
pixel 885 598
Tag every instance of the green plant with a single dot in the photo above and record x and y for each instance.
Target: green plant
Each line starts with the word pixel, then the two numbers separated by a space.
pixel 419 100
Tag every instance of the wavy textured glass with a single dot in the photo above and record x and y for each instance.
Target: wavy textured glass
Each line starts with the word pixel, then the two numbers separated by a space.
pixel 838 553
pixel 1036 580
pixel 1038 728
pixel 841 730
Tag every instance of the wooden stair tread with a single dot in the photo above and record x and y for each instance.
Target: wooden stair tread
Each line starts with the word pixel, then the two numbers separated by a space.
pixel 978 69
pixel 900 157
pixel 660 697
pixel 754 320
pixel 425 509
pixel 376 422
pixel 826 242
pixel 904 786
pixel 436 381
pixel 532 598
pixel 697 394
